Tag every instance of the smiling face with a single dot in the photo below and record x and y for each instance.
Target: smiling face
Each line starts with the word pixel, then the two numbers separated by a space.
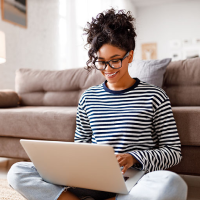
pixel 118 79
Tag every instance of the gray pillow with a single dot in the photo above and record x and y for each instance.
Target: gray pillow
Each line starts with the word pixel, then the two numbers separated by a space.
pixel 150 71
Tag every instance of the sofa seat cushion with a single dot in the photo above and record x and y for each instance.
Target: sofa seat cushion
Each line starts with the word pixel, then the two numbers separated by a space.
pixel 32 122
pixel 190 162
pixel 59 123
pixel 11 148
pixel 187 120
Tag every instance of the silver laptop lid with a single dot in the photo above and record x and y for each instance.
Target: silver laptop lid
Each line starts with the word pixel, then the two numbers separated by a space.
pixel 81 165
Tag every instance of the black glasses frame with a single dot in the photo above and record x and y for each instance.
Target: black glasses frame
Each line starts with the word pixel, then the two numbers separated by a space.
pixel 108 62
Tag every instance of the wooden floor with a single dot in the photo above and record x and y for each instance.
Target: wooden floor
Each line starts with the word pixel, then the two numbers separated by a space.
pixel 193 182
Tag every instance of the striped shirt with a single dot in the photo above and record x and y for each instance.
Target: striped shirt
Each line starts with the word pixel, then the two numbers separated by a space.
pixel 137 120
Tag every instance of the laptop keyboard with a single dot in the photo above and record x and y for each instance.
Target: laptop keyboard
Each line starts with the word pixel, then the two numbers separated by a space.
pixel 126 178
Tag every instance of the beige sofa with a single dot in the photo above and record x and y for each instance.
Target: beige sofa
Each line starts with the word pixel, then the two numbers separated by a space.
pixel 48 106
pixel 49 99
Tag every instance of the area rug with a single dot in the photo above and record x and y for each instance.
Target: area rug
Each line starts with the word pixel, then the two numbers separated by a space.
pixel 7 193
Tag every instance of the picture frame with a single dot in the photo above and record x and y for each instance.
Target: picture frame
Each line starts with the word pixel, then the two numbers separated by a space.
pixel 196 41
pixel 191 52
pixel 14 12
pixel 176 55
pixel 175 44
pixel 149 51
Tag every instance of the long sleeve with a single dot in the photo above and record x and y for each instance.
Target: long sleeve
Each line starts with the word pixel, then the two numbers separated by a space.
pixel 83 131
pixel 168 150
pixel 138 120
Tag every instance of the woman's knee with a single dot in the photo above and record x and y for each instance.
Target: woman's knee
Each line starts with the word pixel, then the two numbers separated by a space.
pixel 160 185
pixel 178 185
pixel 174 187
pixel 173 179
pixel 17 172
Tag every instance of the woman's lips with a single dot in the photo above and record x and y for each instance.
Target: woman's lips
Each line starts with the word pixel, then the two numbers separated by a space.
pixel 111 75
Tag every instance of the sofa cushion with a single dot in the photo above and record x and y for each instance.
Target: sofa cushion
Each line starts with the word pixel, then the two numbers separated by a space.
pixel 182 82
pixel 8 98
pixel 11 148
pixel 54 88
pixel 49 123
pixel 150 71
pixel 187 120
pixel 190 162
pixel 59 123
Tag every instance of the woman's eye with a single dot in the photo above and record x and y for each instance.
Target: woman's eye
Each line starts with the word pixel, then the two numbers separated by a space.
pixel 115 61
pixel 102 63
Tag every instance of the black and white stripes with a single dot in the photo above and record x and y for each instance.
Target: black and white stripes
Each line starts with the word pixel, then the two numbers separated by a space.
pixel 137 120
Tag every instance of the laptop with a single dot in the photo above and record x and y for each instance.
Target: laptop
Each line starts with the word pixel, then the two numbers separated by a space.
pixel 82 165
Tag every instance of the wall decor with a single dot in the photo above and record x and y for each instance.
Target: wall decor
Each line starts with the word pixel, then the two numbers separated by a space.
pixel 187 42
pixel 175 44
pixel 176 55
pixel 184 49
pixel 196 41
pixel 191 52
pixel 149 51
pixel 15 12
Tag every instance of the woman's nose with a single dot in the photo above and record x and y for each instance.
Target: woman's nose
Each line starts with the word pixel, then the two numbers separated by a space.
pixel 108 66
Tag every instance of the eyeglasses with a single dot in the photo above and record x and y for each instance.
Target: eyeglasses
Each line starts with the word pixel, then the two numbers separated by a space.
pixel 115 64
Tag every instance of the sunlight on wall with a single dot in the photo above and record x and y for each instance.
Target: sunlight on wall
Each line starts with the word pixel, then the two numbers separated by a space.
pixel 62 33
pixel 74 15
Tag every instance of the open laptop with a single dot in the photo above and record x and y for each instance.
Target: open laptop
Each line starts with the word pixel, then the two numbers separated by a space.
pixel 82 165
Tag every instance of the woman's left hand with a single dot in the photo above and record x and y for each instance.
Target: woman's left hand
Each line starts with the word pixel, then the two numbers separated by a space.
pixel 126 161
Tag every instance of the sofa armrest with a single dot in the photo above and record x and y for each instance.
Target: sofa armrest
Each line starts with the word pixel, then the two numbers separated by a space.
pixel 9 98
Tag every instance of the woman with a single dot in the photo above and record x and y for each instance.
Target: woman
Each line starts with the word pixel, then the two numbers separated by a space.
pixel 132 116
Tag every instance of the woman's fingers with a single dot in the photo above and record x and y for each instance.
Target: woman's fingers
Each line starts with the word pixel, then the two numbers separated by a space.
pixel 119 157
pixel 125 161
pixel 125 169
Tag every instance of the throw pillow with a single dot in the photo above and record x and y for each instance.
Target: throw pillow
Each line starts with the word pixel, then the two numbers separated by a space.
pixel 8 98
pixel 150 71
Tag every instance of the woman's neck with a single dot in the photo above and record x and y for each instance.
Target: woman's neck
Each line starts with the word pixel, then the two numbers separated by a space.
pixel 121 84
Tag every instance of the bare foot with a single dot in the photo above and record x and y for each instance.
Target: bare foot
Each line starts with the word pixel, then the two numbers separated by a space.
pixel 68 196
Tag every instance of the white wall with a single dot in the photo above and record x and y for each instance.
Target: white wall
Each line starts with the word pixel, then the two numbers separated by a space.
pixel 35 47
pixel 83 13
pixel 162 23
pixel 50 40
pixel 45 43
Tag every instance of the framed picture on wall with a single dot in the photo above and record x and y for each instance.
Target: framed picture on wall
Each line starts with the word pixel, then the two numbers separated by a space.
pixel 15 12
pixel 176 55
pixel 149 51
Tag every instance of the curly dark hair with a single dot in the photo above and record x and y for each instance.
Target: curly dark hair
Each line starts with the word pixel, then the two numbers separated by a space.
pixel 110 27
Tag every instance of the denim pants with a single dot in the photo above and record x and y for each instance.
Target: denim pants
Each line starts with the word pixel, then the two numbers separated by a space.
pixel 158 185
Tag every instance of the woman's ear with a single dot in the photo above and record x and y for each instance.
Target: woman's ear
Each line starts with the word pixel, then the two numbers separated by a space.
pixel 131 53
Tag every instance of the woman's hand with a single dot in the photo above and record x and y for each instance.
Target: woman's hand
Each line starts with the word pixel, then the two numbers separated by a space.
pixel 126 161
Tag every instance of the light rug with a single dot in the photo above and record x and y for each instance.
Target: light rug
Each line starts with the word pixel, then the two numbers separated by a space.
pixel 7 193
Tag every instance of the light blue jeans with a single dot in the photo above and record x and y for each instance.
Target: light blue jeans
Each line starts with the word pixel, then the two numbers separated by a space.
pixel 158 185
